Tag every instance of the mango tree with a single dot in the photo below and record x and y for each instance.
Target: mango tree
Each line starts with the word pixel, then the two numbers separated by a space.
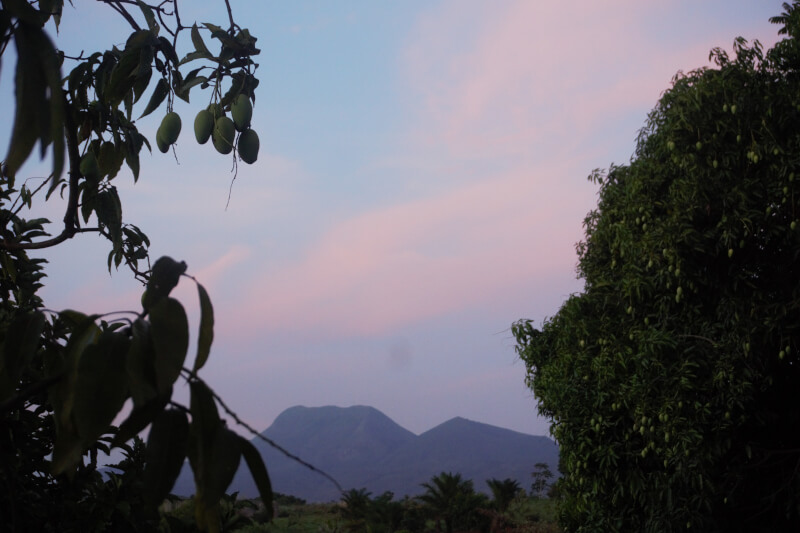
pixel 673 380
pixel 64 376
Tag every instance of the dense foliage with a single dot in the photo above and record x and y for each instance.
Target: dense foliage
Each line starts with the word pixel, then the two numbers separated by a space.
pixel 673 380
pixel 64 376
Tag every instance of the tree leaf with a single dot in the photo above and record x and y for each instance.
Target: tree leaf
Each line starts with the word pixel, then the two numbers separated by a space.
pixel 191 56
pixel 164 277
pixel 170 331
pixel 141 416
pixel 197 40
pixel 224 460
pixel 149 17
pixel 259 472
pixel 191 82
pixel 205 417
pixel 30 87
pixel 108 210
pixel 110 159
pixel 169 52
pixel 140 365
pixel 84 333
pixel 143 74
pixel 206 334
pixel 166 450
pixel 123 76
pixel 101 385
pixel 19 346
pixel 205 423
pixel 159 94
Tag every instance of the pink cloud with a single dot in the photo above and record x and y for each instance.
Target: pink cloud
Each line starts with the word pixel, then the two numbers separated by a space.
pixel 210 275
pixel 520 85
pixel 429 257
pixel 530 73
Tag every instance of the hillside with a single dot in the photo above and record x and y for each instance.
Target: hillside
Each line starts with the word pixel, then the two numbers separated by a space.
pixel 362 447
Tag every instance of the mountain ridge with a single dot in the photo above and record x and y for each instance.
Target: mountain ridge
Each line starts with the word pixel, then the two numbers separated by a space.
pixel 361 447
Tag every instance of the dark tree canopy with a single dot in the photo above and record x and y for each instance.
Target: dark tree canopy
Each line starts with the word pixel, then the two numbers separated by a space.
pixel 673 380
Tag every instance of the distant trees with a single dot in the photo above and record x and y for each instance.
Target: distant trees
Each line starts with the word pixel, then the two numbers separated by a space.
pixel 673 380
pixel 541 479
pixel 452 501
pixel 503 492
pixel 378 515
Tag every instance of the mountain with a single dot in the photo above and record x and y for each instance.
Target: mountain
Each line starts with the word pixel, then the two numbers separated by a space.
pixel 362 448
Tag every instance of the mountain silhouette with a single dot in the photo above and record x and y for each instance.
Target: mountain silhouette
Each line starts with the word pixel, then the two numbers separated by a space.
pixel 363 448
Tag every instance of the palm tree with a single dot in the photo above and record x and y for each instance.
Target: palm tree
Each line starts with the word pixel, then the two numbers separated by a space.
pixel 355 507
pixel 450 499
pixel 503 492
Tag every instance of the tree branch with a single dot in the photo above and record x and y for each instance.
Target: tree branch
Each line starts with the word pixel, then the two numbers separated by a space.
pixel 119 8
pixel 19 399
pixel 58 239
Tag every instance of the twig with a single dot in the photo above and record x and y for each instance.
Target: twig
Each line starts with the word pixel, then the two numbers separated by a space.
pixel 230 14
pixel 119 8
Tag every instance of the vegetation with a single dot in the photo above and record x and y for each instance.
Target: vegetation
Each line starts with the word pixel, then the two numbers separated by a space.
pixel 541 479
pixel 64 377
pixel 358 511
pixel 503 492
pixel 453 501
pixel 673 380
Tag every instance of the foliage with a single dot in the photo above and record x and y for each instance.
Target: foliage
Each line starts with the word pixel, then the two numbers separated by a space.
pixel 524 515
pixel 64 377
pixel 382 514
pixel 453 501
pixel 503 492
pixel 672 381
pixel 541 479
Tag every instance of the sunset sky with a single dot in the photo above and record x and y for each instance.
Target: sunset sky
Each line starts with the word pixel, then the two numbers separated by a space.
pixel 421 185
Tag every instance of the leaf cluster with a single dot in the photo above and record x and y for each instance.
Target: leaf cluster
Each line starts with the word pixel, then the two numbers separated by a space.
pixel 65 376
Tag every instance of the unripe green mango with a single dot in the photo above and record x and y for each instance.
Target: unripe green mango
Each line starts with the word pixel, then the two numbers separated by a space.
pixel 89 167
pixel 170 127
pixel 223 134
pixel 248 146
pixel 203 125
pixel 162 144
pixel 242 112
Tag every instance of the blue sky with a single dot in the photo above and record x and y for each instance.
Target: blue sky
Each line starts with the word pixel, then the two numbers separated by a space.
pixel 421 185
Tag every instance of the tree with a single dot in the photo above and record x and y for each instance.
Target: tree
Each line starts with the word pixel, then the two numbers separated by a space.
pixel 452 500
pixel 541 479
pixel 355 508
pixel 377 515
pixel 503 492
pixel 672 381
pixel 65 376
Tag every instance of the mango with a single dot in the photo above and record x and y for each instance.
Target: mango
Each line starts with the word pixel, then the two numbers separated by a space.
pixel 170 128
pixel 89 167
pixel 223 134
pixel 242 112
pixel 203 125
pixel 162 144
pixel 248 146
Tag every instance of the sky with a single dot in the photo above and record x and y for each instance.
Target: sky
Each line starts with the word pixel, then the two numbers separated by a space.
pixel 421 185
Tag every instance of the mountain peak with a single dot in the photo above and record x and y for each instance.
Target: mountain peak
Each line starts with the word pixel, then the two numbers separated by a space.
pixel 363 448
